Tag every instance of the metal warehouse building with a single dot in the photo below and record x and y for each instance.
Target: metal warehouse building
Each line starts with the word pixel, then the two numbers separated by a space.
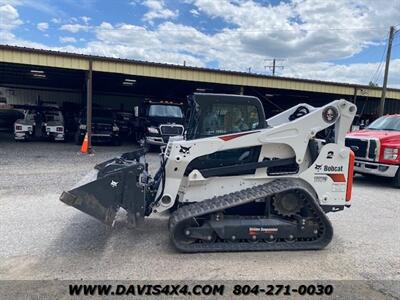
pixel 28 76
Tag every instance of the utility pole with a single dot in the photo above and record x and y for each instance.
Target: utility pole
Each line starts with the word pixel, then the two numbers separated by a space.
pixel 385 78
pixel 274 66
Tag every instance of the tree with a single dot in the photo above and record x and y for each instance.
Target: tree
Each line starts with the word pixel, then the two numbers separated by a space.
pixel 372 84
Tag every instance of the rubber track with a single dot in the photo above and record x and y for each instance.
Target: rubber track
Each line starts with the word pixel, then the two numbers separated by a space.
pixel 220 203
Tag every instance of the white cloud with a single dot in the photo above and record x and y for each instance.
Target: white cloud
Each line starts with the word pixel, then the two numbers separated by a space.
pixel 43 26
pixel 174 43
pixel 154 4
pixel 10 2
pixel 194 12
pixel 44 6
pixel 9 38
pixel 125 40
pixel 304 30
pixel 9 17
pixel 67 39
pixel 85 19
pixel 56 20
pixel 157 10
pixel 74 28
pixel 351 73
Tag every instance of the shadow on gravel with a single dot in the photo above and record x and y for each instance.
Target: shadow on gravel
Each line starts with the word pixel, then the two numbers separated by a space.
pixel 85 236
pixel 82 234
pixel 371 180
pixel 85 248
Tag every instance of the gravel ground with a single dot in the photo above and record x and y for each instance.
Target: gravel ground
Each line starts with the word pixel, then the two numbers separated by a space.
pixel 41 238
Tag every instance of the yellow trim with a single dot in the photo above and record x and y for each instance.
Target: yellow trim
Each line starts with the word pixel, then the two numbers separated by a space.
pixel 60 60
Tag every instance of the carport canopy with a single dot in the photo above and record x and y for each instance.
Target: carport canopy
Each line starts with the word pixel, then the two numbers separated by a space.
pixel 42 69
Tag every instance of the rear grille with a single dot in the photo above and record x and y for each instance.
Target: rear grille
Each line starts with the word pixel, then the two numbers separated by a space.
pixel 171 129
pixel 363 148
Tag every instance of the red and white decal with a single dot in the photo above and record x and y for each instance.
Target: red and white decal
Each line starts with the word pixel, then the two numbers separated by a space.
pixel 234 136
pixel 337 177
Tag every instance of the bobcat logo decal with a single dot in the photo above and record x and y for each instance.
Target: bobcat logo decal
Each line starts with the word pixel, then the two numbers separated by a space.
pixel 185 150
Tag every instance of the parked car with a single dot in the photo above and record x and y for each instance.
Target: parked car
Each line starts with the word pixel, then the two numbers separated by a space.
pixel 158 121
pixel 40 122
pixel 8 116
pixel 125 123
pixel 71 112
pixel 377 148
pixel 104 127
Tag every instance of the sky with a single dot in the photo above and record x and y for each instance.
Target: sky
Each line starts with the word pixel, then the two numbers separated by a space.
pixel 332 40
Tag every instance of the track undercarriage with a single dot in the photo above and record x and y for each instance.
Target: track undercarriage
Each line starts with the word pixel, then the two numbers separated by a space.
pixel 215 224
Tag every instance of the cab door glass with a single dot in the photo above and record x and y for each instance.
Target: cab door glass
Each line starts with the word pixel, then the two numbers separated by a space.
pixel 225 118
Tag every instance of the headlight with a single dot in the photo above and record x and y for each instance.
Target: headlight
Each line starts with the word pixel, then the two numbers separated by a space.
pixel 390 153
pixel 18 127
pixel 152 130
pixel 115 128
pixel 82 126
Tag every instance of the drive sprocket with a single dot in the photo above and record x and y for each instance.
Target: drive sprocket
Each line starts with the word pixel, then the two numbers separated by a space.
pixel 288 204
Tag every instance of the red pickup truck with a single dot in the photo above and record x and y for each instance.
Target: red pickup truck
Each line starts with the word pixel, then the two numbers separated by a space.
pixel 377 148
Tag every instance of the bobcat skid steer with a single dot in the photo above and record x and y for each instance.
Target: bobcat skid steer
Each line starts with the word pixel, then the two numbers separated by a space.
pixel 235 181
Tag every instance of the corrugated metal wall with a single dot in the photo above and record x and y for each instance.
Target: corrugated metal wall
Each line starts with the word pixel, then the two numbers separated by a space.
pixel 31 96
pixel 117 101
pixel 371 106
pixel 392 106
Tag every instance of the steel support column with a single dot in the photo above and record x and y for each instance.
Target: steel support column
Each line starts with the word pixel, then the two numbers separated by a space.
pixel 89 104
pixel 355 96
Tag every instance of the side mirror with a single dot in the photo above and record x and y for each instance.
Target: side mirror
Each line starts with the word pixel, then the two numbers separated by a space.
pixel 362 126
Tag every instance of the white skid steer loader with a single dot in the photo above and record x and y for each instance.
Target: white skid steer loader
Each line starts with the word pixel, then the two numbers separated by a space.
pixel 235 181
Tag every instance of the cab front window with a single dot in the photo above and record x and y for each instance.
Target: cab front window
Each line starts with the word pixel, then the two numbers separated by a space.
pixel 225 118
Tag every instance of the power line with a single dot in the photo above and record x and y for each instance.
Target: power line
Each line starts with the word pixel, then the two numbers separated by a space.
pixel 378 73
pixel 389 41
pixel 378 70
pixel 378 79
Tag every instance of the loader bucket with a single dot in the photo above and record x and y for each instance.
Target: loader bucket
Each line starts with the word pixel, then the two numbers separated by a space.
pixel 113 184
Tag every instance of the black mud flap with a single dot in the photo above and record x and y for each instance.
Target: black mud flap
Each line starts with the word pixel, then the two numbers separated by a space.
pixel 113 184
